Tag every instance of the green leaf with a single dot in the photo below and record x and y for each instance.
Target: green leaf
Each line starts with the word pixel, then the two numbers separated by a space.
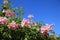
pixel 25 39
pixel 2 28
pixel 33 27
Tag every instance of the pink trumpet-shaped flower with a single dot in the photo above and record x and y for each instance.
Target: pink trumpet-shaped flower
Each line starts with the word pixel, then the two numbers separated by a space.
pixel 8 13
pixel 30 16
pixel 12 25
pixel 46 28
pixel 3 20
pixel 27 23
pixel 23 22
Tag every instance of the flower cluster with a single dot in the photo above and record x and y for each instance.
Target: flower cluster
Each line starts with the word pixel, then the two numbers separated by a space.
pixel 24 23
pixel 12 25
pixel 45 29
pixel 28 23
pixel 8 13
pixel 3 20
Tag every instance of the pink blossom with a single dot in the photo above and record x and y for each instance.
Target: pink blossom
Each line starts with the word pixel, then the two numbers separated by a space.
pixel 23 22
pixel 42 29
pixel 45 32
pixel 46 28
pixel 26 22
pixel 3 20
pixel 8 12
pixel 12 25
pixel 30 16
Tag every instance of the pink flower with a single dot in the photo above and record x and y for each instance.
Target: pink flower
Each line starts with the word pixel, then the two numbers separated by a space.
pixel 30 16
pixel 23 22
pixel 12 25
pixel 27 23
pixel 42 29
pixel 46 28
pixel 45 32
pixel 8 13
pixel 3 20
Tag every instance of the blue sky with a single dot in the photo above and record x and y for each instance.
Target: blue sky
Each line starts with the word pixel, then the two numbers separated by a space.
pixel 47 11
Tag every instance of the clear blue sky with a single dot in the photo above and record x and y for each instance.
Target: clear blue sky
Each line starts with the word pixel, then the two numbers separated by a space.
pixel 43 10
